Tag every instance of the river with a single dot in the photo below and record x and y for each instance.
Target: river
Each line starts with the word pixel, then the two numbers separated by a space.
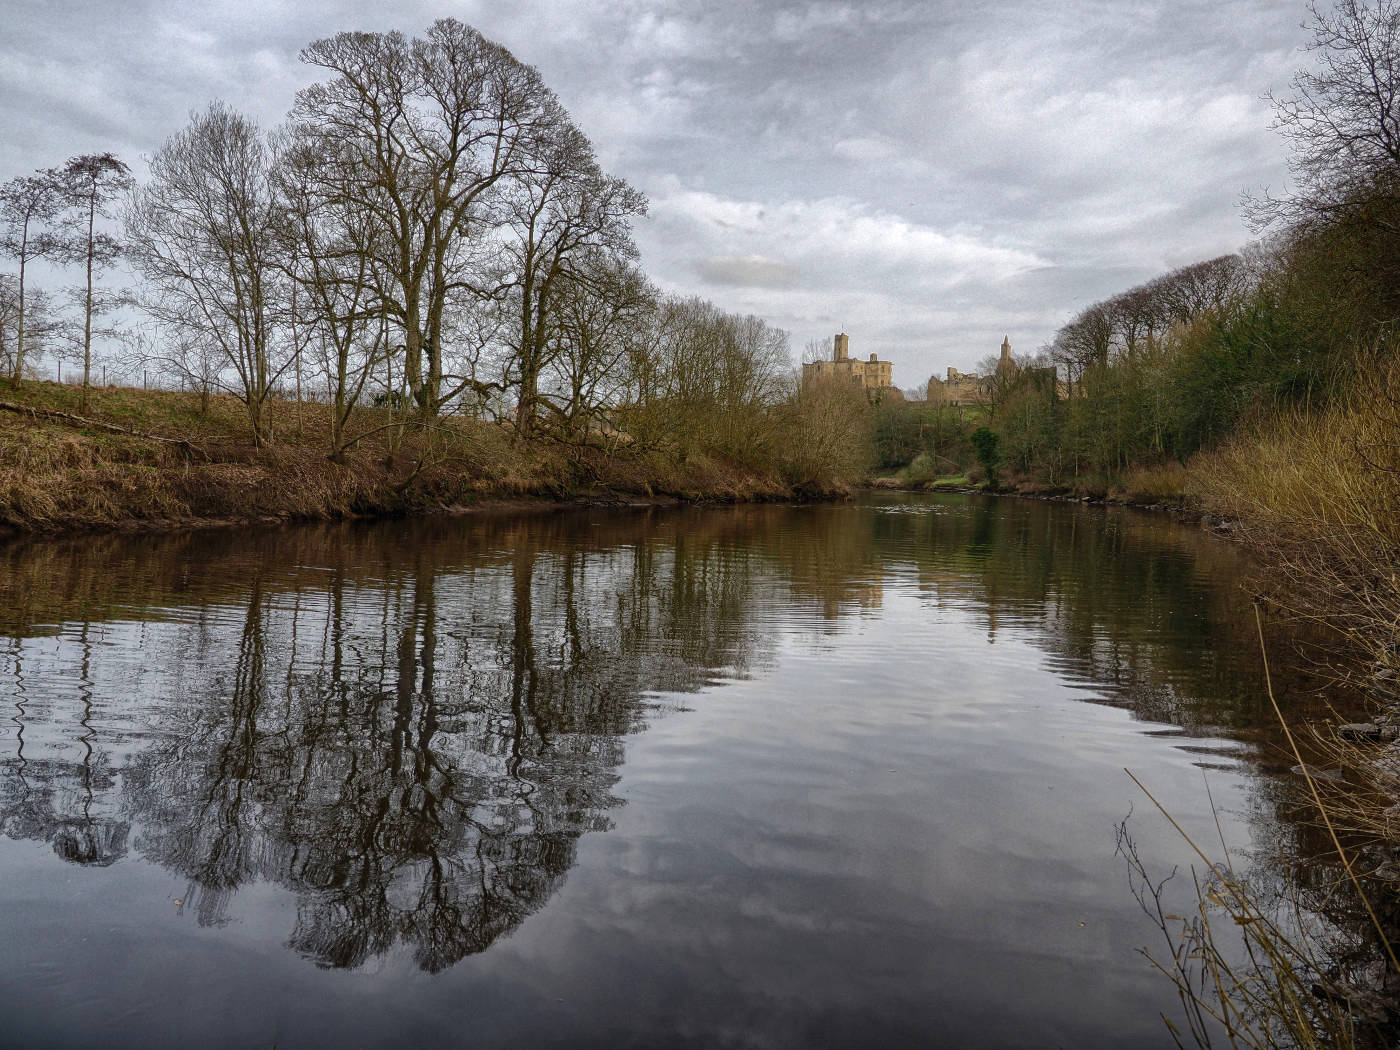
pixel 755 776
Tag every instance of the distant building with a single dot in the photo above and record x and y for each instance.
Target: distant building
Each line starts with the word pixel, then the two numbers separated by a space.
pixel 960 388
pixel 874 375
pixel 969 388
pixel 1006 366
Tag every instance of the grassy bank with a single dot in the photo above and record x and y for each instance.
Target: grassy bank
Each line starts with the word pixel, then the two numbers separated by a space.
pixel 1318 495
pixel 1315 494
pixel 156 458
pixel 1171 486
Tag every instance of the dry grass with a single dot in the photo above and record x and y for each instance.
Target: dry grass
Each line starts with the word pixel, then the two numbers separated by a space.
pixel 1244 972
pixel 1166 484
pixel 1319 496
pixel 172 464
pixel 1259 974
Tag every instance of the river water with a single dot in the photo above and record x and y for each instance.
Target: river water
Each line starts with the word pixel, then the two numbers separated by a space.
pixel 841 775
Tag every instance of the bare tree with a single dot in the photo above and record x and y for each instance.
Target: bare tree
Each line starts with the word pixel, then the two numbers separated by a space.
pixel 720 375
pixel 1084 342
pixel 38 319
pixel 89 185
pixel 88 329
pixel 193 358
pixel 26 204
pixel 203 231
pixel 1135 316
pixel 816 350
pixel 598 321
pixel 10 314
pixel 422 131
pixel 1202 288
pixel 562 212
pixel 1343 117
pixel 331 254
pixel 826 427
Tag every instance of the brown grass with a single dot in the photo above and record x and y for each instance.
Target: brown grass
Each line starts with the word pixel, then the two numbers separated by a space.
pixel 1167 484
pixel 1318 494
pixel 56 473
pixel 1271 975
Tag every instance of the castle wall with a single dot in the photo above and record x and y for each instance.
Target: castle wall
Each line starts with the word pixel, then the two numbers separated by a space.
pixel 873 374
pixel 960 388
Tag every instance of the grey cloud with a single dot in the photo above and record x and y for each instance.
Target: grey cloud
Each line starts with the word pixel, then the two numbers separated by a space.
pixel 751 271
pixel 930 174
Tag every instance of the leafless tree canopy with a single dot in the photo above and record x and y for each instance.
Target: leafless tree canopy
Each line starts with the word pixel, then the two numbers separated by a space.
pixel 203 230
pixel 428 233
pixel 27 204
pixel 1342 116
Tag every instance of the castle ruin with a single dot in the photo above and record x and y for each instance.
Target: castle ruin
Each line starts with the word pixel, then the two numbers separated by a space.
pixel 968 388
pixel 873 375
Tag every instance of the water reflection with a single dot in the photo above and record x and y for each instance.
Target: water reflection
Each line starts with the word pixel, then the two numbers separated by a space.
pixel 410 726
pixel 412 739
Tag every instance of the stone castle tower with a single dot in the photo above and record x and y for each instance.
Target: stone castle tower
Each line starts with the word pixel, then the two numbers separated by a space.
pixel 875 375
pixel 1006 364
pixel 968 388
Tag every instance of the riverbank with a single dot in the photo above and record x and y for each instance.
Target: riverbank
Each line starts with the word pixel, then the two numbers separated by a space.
pixel 1184 506
pixel 142 460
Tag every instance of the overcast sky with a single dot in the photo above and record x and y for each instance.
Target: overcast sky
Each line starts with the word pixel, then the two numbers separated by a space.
pixel 926 176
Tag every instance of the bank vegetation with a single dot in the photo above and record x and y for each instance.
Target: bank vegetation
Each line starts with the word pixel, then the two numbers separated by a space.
pixel 420 289
pixel 1261 389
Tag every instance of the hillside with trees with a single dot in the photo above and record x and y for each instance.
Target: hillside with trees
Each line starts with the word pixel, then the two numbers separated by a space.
pixel 1260 388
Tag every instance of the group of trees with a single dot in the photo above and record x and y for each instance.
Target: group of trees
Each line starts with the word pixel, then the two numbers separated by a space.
pixel 428 232
pixel 52 215
pixel 1130 323
pixel 1160 370
pixel 428 225
pixel 1182 362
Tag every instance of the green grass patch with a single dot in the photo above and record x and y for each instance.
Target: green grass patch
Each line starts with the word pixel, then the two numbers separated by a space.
pixel 950 481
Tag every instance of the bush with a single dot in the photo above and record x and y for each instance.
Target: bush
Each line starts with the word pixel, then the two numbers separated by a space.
pixel 988 446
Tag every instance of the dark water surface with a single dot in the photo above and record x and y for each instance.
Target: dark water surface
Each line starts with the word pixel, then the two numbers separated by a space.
pixel 754 776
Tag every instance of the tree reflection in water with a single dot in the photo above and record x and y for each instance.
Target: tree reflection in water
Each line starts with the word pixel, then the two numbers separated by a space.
pixel 60 800
pixel 413 743
pixel 410 726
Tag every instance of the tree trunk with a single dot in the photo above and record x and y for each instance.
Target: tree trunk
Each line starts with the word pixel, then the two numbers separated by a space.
pixel 87 303
pixel 19 326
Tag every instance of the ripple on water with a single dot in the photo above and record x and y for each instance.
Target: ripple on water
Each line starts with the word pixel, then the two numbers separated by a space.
pixel 781 775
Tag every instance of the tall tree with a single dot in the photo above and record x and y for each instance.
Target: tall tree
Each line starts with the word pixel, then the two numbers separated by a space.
pixel 204 233
pixel 601 316
pixel 563 215
pixel 1084 342
pixel 1343 117
pixel 26 203
pixel 9 317
pixel 1207 287
pixel 90 183
pixel 331 252
pixel 421 132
